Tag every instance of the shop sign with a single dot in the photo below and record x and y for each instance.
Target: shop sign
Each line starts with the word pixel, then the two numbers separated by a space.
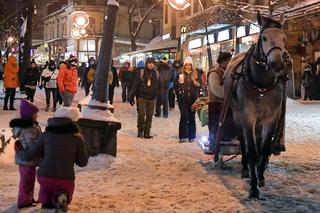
pixel 183 29
pixel 166 36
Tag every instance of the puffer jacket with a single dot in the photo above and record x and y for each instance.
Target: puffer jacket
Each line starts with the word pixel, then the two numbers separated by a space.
pixel 165 75
pixel 27 132
pixel 31 77
pixel 68 80
pixel 11 73
pixel 60 146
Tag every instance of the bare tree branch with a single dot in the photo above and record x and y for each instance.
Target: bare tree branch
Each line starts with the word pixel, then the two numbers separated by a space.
pixel 137 30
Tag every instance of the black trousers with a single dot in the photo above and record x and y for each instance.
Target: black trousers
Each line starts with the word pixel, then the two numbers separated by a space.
pixel 10 93
pixel 162 100
pixel 125 91
pixel 52 91
pixel 307 93
pixel 111 94
pixel 229 129
pixel 145 113
pixel 172 98
pixel 30 94
pixel 187 124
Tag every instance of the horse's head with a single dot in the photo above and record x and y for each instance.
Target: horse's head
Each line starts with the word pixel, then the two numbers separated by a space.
pixel 271 42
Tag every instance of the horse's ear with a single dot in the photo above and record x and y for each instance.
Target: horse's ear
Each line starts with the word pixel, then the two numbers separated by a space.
pixel 282 19
pixel 259 18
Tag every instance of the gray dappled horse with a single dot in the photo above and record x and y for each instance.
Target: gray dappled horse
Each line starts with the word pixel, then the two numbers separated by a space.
pixel 257 97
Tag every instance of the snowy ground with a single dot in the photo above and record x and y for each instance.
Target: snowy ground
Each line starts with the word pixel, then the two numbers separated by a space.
pixel 161 175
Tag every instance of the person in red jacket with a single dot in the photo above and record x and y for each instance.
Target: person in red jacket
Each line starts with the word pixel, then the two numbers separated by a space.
pixel 68 81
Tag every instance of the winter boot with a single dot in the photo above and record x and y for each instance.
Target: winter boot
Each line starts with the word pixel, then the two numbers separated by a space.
pixel 61 202
pixel 140 134
pixel 47 108
pixel 5 106
pixel 147 136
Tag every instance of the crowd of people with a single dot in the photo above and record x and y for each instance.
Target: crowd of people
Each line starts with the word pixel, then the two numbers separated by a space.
pixel 154 87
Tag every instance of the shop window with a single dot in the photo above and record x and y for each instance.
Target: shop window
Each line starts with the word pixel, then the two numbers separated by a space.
pixel 241 31
pixel 254 29
pixel 87 45
pixel 196 43
pixel 224 35
pixel 211 39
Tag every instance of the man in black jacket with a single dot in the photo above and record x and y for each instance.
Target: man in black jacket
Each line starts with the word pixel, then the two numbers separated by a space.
pixel 165 77
pixel 145 88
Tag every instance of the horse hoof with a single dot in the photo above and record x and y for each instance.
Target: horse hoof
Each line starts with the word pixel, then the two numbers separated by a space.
pixel 245 174
pixel 254 194
pixel 262 183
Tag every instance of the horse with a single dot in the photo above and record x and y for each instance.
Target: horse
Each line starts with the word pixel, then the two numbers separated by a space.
pixel 256 84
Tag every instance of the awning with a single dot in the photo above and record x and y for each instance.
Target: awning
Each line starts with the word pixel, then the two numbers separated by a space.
pixel 157 44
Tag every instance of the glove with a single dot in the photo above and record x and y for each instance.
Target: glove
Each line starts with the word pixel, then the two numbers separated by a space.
pixel 132 102
pixel 18 146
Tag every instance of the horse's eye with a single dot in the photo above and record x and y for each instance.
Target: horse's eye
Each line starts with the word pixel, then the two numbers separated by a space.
pixel 264 38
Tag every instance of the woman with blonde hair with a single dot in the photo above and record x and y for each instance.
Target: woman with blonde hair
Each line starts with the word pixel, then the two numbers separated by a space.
pixel 186 87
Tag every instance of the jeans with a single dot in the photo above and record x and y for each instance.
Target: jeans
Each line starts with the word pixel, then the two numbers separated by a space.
pixel 187 124
pixel 67 98
pixel 145 113
pixel 125 91
pixel 54 96
pixel 172 98
pixel 162 99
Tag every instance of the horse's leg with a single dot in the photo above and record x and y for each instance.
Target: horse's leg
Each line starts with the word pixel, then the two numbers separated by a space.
pixel 244 162
pixel 252 157
pixel 264 153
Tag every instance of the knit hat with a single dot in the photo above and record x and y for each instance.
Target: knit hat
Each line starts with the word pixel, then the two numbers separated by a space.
pixel 68 112
pixel 27 109
pixel 150 60
pixel 223 56
pixel 188 60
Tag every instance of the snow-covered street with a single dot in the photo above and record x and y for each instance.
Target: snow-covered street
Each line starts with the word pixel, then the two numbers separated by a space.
pixel 161 175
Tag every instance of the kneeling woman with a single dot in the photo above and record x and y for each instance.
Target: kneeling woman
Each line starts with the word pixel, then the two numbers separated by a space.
pixel 60 146
pixel 186 87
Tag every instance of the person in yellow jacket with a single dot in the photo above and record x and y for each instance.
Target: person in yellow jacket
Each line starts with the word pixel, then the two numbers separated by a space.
pixel 11 81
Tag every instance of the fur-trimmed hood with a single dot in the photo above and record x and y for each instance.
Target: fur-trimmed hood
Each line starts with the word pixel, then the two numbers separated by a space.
pixel 61 126
pixel 22 123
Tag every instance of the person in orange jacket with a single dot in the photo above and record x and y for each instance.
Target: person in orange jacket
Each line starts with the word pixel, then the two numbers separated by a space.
pixel 68 81
pixel 11 81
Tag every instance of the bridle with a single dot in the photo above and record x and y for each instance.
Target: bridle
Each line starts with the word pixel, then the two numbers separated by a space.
pixel 262 64
pixel 263 61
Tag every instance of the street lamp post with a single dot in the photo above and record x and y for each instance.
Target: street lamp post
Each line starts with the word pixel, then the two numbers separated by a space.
pixel 101 85
pixel 184 4
pixel 98 125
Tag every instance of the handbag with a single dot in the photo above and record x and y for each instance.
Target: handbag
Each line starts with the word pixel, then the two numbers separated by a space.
pixel 47 79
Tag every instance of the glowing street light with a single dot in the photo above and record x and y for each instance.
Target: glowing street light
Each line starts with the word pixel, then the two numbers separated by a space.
pixel 82 21
pixel 184 4
pixel 10 39
pixel 179 4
